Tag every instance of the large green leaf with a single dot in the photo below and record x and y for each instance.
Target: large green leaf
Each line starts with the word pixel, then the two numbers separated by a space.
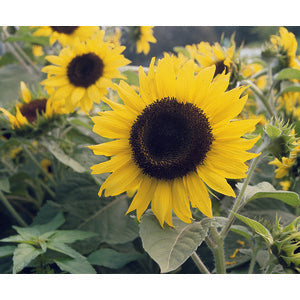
pixel 293 89
pixel 7 250
pixel 78 265
pixel 23 255
pixel 78 195
pixel 257 227
pixel 63 248
pixel 288 73
pixel 111 258
pixel 171 247
pixel 266 190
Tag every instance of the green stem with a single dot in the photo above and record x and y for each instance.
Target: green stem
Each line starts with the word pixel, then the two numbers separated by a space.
pixel 12 210
pixel 253 260
pixel 239 199
pixel 198 262
pixel 263 99
pixel 38 164
pixel 218 251
pixel 46 187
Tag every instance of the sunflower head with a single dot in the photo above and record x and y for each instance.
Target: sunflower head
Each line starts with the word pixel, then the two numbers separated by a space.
pixel 33 112
pixel 82 73
pixel 65 35
pixel 174 140
pixel 286 246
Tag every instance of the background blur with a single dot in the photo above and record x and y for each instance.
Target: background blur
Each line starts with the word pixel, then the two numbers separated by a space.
pixel 170 36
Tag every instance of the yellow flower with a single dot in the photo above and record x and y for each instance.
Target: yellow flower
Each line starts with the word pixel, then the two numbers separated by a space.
pixel 65 35
pixel 285 184
pixel 206 55
pixel 142 35
pixel 81 73
pixel 287 43
pixel 37 50
pixel 28 110
pixel 174 140
pixel 114 38
pixel 290 103
pixel 46 164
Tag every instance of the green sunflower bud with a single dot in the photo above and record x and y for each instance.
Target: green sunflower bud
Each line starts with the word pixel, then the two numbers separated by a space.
pixel 282 137
pixel 286 246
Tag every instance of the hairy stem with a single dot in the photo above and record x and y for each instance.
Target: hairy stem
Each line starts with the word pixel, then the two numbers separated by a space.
pixel 218 251
pixel 198 262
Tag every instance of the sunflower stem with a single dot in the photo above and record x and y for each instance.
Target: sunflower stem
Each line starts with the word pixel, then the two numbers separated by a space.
pixel 38 164
pixel 218 251
pixel 11 209
pixel 236 205
pixel 198 262
pixel 263 99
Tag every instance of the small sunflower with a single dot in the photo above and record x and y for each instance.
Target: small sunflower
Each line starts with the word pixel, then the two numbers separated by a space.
pixel 206 55
pixel 65 35
pixel 286 44
pixel 142 36
pixel 174 140
pixel 28 111
pixel 83 72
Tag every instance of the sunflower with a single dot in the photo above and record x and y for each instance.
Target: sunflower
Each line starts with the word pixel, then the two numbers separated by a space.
pixel 29 109
pixel 83 72
pixel 65 35
pixel 174 140
pixel 286 44
pixel 206 55
pixel 142 36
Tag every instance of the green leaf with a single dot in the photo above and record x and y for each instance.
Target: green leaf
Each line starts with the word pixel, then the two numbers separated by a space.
pixel 70 236
pixel 4 185
pixel 55 223
pixel 132 77
pixel 257 227
pixel 7 250
pixel 273 132
pixel 63 248
pixel 41 40
pixel 78 265
pixel 182 50
pixel 23 255
pixel 112 259
pixel 27 233
pixel 241 230
pixel 289 89
pixel 84 210
pixel 288 73
pixel 64 158
pixel 266 190
pixel 13 239
pixel 171 247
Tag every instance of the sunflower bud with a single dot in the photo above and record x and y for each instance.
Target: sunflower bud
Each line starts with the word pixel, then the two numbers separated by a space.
pixel 286 246
pixel 282 137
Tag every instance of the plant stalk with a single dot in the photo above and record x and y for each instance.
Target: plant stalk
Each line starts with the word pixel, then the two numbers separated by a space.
pixel 38 164
pixel 12 210
pixel 198 262
pixel 218 251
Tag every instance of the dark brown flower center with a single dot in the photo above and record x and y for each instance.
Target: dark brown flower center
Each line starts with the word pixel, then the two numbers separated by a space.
pixel 220 67
pixel 169 139
pixel 64 29
pixel 33 108
pixel 85 70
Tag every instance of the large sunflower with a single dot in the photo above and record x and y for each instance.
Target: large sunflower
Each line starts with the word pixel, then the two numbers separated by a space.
pixel 30 108
pixel 83 72
pixel 65 35
pixel 174 140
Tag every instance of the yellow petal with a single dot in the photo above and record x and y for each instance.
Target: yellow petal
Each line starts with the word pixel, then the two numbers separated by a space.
pixel 26 95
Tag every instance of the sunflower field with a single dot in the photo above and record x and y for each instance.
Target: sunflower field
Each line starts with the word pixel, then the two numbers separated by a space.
pixel 186 164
